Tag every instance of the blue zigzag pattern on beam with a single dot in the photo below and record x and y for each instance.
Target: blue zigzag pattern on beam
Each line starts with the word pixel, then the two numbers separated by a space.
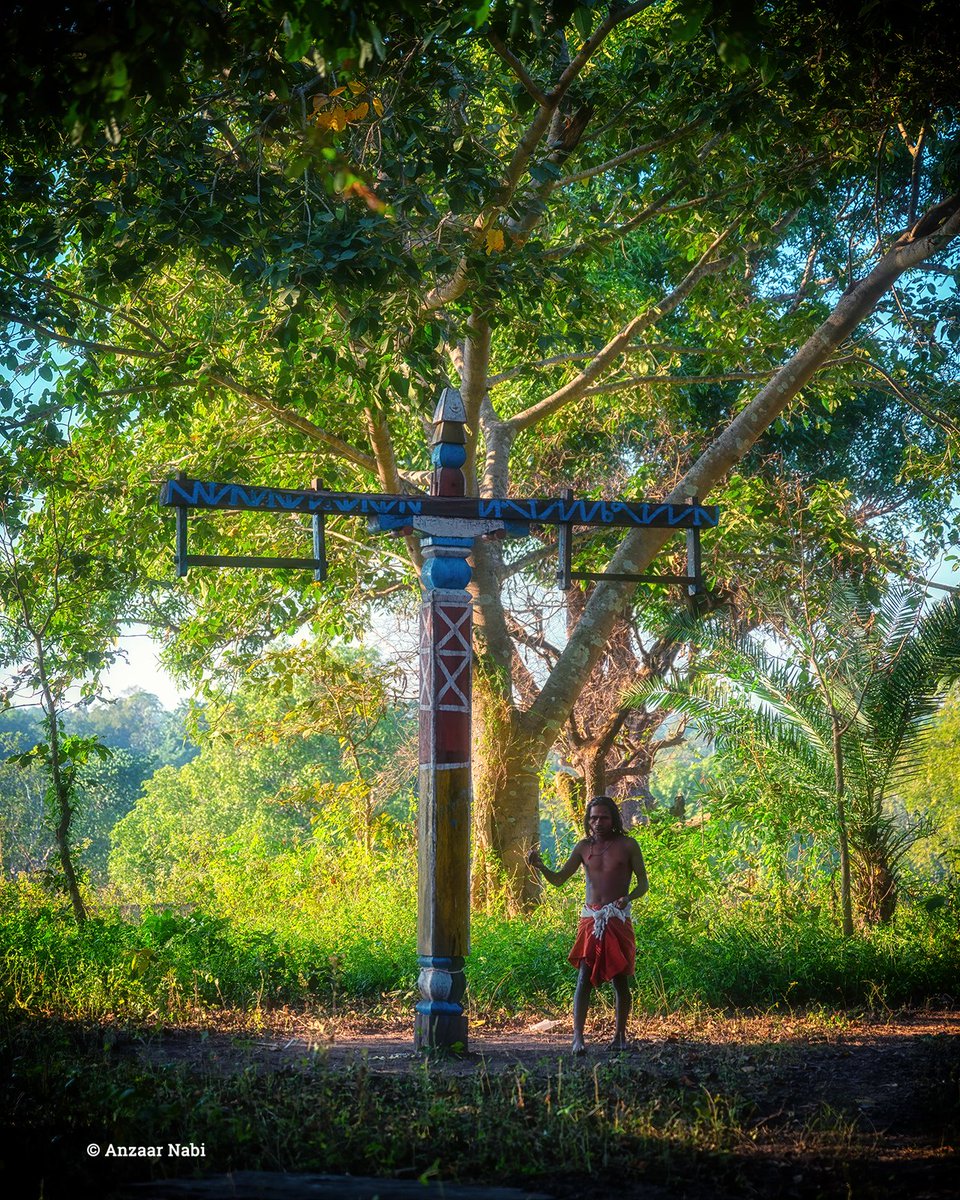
pixel 194 493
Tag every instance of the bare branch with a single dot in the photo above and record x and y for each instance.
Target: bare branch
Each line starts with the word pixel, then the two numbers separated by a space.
pixel 79 343
pixel 519 566
pixel 517 67
pixel 607 234
pixel 143 389
pixel 575 389
pixel 673 739
pixel 815 245
pixel 621 385
pixel 536 642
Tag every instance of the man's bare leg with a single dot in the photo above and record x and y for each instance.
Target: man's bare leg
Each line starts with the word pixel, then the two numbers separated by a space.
pixel 581 1002
pixel 621 987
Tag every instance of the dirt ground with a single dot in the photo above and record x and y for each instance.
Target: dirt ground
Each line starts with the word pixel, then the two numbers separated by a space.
pixel 836 1105
pixel 869 1064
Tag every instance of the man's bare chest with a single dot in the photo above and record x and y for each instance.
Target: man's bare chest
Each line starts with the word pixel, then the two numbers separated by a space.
pixel 602 860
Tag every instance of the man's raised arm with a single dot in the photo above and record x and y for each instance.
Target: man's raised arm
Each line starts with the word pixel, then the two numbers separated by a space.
pixel 556 877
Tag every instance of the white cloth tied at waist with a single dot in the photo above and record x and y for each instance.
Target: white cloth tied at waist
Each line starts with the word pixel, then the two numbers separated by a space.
pixel 600 916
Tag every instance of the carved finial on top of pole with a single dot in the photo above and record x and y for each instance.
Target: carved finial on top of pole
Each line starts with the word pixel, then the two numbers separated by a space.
pixel 450 406
pixel 449 419
pixel 448 453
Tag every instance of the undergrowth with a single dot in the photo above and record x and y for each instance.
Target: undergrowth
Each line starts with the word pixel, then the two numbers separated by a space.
pixel 359 949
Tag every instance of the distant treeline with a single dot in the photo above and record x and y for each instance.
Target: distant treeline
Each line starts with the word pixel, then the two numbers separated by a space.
pixel 143 736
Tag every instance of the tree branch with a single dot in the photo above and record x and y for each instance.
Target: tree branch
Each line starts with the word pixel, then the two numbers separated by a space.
pixel 292 420
pixel 58 289
pixel 522 564
pixel 517 67
pixel 933 233
pixel 223 128
pixel 673 739
pixel 80 343
pixel 559 359
pixel 576 388
pixel 615 17
pixel 619 385
pixel 389 476
pixel 446 293
pixel 908 398
pixel 453 288
pixel 533 641
pixel 473 388
pixel 629 155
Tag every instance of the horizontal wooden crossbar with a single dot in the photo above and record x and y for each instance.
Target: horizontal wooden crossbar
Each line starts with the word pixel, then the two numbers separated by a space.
pixel 246 560
pixel 390 509
pixel 612 576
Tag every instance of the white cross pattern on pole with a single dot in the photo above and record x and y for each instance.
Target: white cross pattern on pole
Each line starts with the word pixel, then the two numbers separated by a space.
pixel 453 651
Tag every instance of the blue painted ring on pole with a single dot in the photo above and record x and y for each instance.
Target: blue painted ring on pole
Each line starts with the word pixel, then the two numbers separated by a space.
pixel 448 454
pixel 451 574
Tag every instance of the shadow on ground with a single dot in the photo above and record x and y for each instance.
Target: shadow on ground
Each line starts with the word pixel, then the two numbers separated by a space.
pixel 794 1106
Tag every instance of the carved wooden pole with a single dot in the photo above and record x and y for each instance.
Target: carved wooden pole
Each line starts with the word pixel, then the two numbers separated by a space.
pixel 443 901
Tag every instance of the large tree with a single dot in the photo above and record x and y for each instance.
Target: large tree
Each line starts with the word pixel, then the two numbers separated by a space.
pixel 637 235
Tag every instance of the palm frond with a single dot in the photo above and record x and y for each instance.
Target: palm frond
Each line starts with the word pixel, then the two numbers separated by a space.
pixel 904 698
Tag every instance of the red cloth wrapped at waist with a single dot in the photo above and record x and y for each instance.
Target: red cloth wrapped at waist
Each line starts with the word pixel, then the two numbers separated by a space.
pixel 613 952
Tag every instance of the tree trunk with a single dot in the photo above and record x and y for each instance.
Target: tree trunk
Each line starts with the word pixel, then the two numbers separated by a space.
pixel 66 861
pixel 845 900
pixel 61 790
pixel 506 800
pixel 509 746
pixel 874 867
pixel 591 762
pixel 876 885
pixel 638 803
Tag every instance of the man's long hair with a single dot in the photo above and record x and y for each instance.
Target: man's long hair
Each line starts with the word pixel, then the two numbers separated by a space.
pixel 611 807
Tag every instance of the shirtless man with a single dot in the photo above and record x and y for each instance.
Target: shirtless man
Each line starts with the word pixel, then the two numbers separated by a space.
pixel 605 949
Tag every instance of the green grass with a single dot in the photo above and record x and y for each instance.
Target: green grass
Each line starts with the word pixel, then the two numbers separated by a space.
pixel 358 946
pixel 338 934
pixel 602 1122
pixel 594 1128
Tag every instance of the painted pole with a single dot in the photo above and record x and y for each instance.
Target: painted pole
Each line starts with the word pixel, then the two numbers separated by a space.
pixel 446 617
